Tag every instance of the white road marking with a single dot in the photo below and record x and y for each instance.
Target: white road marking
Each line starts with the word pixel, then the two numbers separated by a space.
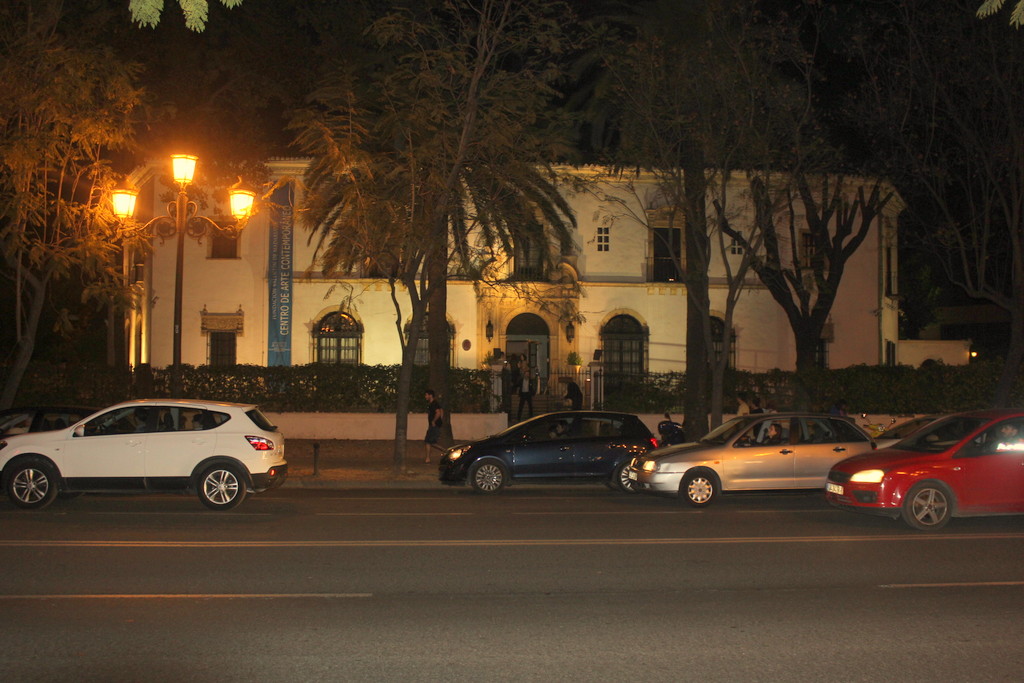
pixel 184 596
pixel 972 584
pixel 527 542
pixel 393 514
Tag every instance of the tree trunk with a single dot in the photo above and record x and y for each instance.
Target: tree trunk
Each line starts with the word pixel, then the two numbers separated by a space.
pixel 26 344
pixel 1012 366
pixel 695 403
pixel 403 394
pixel 437 333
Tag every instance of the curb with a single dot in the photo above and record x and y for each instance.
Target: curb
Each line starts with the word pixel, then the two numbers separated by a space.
pixel 317 483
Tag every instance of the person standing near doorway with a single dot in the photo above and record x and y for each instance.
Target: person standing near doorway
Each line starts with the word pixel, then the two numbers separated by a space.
pixel 435 420
pixel 526 388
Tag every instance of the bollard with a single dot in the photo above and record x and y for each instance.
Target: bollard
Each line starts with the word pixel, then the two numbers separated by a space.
pixel 316 459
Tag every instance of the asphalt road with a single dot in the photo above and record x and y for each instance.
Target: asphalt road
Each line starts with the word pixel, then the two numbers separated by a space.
pixel 537 583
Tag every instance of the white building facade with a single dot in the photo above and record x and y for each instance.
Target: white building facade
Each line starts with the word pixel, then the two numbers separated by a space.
pixel 613 297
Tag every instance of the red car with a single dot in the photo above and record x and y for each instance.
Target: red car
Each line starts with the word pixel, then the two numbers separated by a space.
pixel 962 465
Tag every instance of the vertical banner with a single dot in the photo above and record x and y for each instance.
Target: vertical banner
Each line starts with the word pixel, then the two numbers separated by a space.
pixel 279 274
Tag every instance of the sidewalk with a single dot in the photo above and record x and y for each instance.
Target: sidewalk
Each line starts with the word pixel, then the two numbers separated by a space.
pixel 357 464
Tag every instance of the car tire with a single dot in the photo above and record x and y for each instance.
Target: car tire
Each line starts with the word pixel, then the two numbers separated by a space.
pixel 488 476
pixel 698 488
pixel 620 480
pixel 221 487
pixel 32 484
pixel 928 506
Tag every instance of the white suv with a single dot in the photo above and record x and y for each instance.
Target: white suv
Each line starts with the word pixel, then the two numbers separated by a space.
pixel 220 451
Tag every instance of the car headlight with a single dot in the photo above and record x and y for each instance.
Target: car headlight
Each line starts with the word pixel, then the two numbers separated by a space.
pixel 650 466
pixel 456 453
pixel 868 476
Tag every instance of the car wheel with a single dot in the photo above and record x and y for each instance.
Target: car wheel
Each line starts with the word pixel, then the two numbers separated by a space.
pixel 221 487
pixel 488 476
pixel 32 484
pixel 928 506
pixel 698 488
pixel 621 480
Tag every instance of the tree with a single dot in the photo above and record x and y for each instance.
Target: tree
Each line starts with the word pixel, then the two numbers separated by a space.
pixel 802 262
pixel 990 7
pixel 659 121
pixel 147 12
pixel 944 103
pixel 65 105
pixel 696 105
pixel 439 144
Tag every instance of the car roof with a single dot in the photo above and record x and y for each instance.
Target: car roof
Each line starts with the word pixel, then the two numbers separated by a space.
pixel 988 413
pixel 581 413
pixel 792 413
pixel 182 403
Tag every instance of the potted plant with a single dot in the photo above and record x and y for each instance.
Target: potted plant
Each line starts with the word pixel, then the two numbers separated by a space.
pixel 575 360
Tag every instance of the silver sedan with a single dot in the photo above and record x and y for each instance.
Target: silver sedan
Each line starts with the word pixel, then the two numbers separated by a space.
pixel 753 452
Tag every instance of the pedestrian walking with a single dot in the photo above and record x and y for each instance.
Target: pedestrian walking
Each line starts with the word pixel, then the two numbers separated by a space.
pixel 435 420
pixel 526 389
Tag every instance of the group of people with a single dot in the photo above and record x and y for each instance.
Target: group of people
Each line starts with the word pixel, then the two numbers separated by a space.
pixel 523 381
pixel 751 405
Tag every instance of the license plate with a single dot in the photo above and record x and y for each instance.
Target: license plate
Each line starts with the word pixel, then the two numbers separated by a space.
pixel 632 475
pixel 834 488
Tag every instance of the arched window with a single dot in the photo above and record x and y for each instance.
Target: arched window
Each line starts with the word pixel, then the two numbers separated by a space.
pixel 423 343
pixel 338 338
pixel 717 328
pixel 624 344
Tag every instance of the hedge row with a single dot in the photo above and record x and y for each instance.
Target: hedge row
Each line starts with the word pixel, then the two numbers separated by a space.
pixel 301 388
pixel 934 388
pixel 931 388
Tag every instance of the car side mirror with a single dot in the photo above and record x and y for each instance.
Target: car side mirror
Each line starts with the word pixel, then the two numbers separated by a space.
pixel 79 430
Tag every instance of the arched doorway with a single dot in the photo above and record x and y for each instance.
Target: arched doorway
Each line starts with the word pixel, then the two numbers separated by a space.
pixel 528 335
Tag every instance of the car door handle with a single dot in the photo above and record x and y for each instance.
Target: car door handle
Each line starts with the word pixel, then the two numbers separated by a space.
pixel 133 442
pixel 563 448
pixel 785 451
pixel 839 449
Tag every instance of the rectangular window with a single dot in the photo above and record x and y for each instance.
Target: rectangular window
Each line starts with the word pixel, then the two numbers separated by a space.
pixel 624 356
pixel 422 351
pixel 666 260
pixel 891 288
pixel 604 236
pixel 338 350
pixel 806 249
pixel 735 248
pixel 716 343
pixel 528 264
pixel 222 348
pixel 223 245
pixel 821 356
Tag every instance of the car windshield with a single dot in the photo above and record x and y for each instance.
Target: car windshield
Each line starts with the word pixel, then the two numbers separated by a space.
pixel 941 435
pixel 905 429
pixel 728 430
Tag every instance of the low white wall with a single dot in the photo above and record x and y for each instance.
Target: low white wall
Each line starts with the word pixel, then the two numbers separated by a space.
pixel 913 352
pixel 380 426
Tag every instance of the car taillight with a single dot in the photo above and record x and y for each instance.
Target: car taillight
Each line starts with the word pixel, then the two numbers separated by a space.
pixel 654 442
pixel 260 443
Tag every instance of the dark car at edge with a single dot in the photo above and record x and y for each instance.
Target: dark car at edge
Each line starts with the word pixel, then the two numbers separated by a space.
pixel 568 446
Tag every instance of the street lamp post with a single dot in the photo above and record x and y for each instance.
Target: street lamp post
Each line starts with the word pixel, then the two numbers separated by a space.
pixel 182 218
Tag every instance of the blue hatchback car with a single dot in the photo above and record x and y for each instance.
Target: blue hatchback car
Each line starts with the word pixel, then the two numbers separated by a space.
pixel 569 446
